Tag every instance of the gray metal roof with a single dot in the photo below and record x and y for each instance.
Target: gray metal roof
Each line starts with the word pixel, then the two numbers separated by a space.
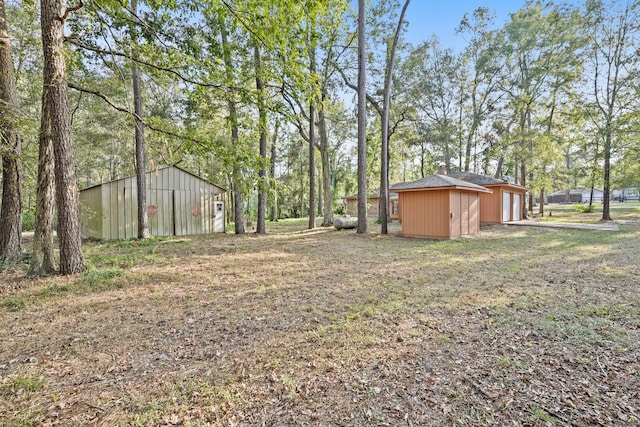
pixel 476 178
pixel 375 193
pixel 438 181
pixel 159 168
pixel 482 179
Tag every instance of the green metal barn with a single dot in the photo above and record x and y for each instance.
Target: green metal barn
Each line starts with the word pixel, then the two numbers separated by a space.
pixel 179 203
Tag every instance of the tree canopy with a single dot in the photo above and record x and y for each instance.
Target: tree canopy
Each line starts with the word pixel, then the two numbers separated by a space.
pixel 245 93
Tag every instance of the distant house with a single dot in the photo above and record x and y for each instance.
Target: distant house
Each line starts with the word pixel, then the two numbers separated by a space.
pixel 373 204
pixel 630 194
pixel 504 204
pixel 598 196
pixel 439 207
pixel 565 196
pixel 577 195
pixel 179 203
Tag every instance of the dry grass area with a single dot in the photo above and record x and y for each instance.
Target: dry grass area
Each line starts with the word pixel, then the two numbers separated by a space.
pixel 519 326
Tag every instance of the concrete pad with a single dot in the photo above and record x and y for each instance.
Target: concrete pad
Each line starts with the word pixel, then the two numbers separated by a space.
pixel 605 226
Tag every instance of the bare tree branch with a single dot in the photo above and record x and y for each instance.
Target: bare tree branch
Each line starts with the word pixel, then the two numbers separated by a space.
pixel 370 99
pixel 69 10
pixel 132 114
pixel 148 64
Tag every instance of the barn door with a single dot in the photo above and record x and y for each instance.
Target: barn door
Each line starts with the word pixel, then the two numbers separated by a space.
pixel 160 212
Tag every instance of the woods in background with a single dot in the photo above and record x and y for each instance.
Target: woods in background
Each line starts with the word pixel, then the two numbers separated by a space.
pixel 245 93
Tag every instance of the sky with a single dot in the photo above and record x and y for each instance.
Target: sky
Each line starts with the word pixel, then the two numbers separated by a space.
pixel 428 17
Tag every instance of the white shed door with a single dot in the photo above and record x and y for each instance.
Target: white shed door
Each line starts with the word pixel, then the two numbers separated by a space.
pixel 506 206
pixel 517 209
pixel 218 216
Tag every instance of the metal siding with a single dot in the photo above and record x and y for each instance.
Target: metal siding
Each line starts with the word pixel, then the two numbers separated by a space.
pixel 196 221
pixel 106 211
pixel 129 196
pixel 177 210
pixel 189 201
pixel 182 207
pixel 152 222
pixel 91 212
pixel 168 212
pixel 116 205
pixel 206 200
pixel 113 210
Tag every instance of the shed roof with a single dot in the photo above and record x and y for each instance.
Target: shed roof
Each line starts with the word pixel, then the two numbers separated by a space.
pixel 375 193
pixel 485 181
pixel 435 182
pixel 160 168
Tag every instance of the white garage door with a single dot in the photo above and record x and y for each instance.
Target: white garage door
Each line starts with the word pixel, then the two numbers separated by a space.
pixel 506 206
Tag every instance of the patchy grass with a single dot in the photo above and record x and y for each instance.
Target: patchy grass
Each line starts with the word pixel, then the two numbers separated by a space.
pixel 521 326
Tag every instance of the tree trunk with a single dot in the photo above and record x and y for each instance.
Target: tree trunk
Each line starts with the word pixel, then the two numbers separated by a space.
pixel 42 261
pixel 10 147
pixel 71 257
pixel 238 203
pixel 274 204
pixel 523 182
pixel 498 174
pixel 141 177
pixel 606 215
pixel 320 189
pixel 383 208
pixel 312 144
pixel 236 176
pixel 362 120
pixel 327 198
pixel 262 124
pixel 312 168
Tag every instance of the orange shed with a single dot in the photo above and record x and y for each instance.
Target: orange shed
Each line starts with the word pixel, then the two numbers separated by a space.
pixel 503 205
pixel 439 207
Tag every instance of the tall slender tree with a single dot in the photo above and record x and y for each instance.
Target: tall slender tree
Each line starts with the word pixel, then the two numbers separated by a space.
pixel 312 134
pixel 42 258
pixel 141 186
pixel 484 62
pixel 386 105
pixel 615 64
pixel 55 86
pixel 262 126
pixel 238 205
pixel 11 151
pixel 362 119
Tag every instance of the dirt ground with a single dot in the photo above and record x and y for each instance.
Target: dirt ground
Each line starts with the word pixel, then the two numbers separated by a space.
pixel 518 326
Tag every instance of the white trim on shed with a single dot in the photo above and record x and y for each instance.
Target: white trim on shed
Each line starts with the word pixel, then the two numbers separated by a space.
pixel 179 203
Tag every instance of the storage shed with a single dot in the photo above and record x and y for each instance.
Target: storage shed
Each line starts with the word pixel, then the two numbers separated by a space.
pixel 439 207
pixel 179 203
pixel 504 204
pixel 373 204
